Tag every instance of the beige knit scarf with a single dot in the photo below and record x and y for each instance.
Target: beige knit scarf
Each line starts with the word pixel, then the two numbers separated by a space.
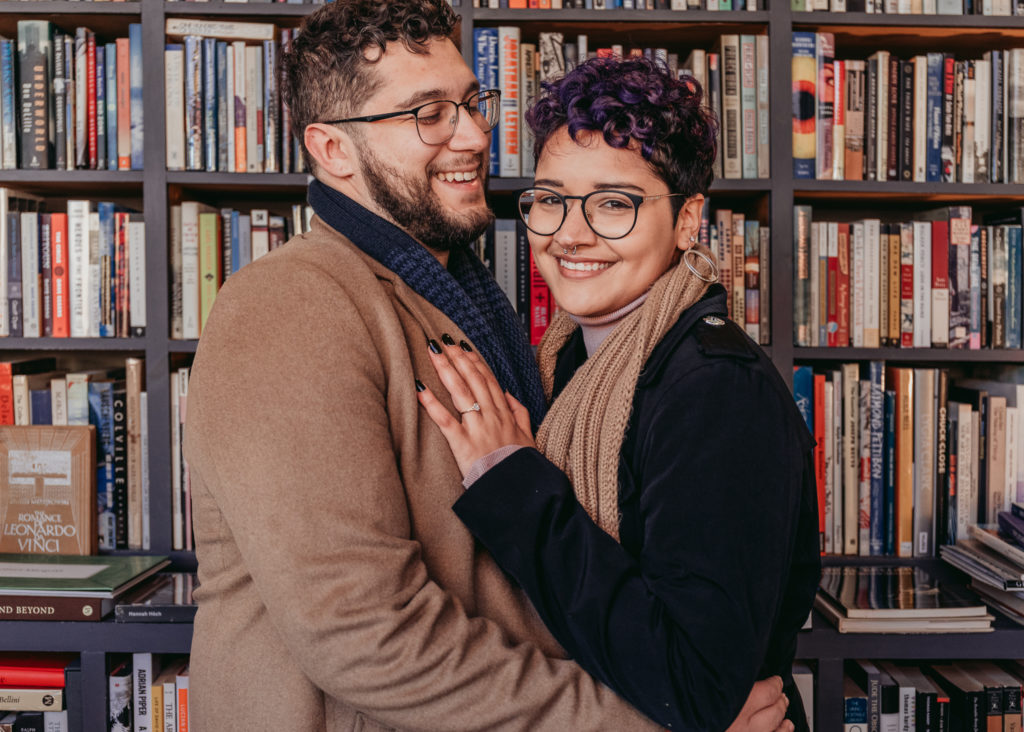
pixel 584 429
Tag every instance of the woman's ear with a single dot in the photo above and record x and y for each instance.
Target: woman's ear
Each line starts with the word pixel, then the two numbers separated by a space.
pixel 688 222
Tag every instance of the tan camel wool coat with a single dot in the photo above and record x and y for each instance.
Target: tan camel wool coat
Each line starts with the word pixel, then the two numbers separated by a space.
pixel 338 589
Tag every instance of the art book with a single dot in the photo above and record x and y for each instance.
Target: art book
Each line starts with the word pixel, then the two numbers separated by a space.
pixel 48 489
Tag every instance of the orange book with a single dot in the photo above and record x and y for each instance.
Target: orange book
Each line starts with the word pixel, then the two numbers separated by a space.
pixel 60 279
pixel 241 161
pixel 901 381
pixel 124 103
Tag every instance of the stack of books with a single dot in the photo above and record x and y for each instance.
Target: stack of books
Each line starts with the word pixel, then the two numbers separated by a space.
pixel 34 690
pixel 54 587
pixel 877 599
pixel 993 557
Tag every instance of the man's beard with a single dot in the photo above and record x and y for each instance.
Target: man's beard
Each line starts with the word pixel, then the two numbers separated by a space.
pixel 412 204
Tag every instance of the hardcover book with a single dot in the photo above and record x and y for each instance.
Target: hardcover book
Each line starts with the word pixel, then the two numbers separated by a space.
pixel 886 592
pixel 165 599
pixel 48 489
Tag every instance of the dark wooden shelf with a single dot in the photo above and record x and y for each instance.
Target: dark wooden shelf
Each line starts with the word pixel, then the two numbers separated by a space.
pixel 264 11
pixel 73 344
pixel 487 16
pixel 105 636
pixel 174 346
pixel 910 355
pixel 73 182
pixel 239 181
pixel 881 22
pixel 861 190
pixel 63 7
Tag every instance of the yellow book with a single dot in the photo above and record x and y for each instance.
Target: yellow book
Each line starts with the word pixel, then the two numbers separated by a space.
pixel 209 263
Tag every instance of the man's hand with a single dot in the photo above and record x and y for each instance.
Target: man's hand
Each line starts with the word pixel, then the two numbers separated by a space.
pixel 764 710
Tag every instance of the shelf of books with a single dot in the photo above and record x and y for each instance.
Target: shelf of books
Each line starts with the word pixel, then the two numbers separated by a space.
pixel 866 217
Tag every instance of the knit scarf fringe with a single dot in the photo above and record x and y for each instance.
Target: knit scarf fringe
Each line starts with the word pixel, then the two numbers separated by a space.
pixel 585 427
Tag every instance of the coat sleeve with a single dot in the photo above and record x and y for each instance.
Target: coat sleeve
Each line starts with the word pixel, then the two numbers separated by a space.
pixel 681 630
pixel 288 427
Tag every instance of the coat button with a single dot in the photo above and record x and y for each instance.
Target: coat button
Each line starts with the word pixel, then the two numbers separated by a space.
pixel 713 320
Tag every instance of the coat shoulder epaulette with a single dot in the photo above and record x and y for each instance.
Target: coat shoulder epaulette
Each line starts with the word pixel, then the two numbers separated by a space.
pixel 718 336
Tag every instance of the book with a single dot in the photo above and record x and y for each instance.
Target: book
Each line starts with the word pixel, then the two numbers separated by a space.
pixel 48 491
pixel 979 624
pixel 166 598
pixel 894 592
pixel 31 700
pixel 28 670
pixel 97 577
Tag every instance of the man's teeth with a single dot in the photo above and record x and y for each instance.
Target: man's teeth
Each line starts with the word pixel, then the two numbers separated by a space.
pixel 584 266
pixel 458 176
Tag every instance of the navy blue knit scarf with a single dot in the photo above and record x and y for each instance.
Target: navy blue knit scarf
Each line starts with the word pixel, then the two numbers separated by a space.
pixel 465 292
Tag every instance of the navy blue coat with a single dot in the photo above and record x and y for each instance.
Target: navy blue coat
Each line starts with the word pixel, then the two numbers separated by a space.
pixel 718 561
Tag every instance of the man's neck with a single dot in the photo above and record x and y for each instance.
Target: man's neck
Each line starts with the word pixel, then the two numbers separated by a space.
pixel 360 195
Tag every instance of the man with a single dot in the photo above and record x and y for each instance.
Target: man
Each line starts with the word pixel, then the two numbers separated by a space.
pixel 338 589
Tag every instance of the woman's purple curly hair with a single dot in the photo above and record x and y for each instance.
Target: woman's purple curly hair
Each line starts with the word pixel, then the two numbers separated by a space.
pixel 634 102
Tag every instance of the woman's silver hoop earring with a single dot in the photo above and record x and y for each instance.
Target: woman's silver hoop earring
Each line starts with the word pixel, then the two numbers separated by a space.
pixel 711 265
pixel 566 252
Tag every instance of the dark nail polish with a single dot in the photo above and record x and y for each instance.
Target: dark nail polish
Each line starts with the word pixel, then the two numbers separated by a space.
pixel 447 339
pixel 420 386
pixel 434 348
pixel 465 347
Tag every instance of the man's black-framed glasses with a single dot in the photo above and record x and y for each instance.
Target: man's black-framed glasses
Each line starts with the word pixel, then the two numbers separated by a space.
pixel 610 214
pixel 436 121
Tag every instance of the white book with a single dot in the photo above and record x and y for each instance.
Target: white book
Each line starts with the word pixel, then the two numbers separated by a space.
pixel 508 83
pixel 529 87
pixel 260 232
pixel 78 397
pixel 922 284
pixel 20 398
pixel 253 102
pixel 92 300
pixel 731 125
pixel 190 211
pixel 136 275
pixel 505 257
pixel 59 401
pixel 1012 455
pixel 142 678
pixel 830 482
pixel 220 29
pixel 174 105
pixel 920 118
pixel 970 90
pixel 56 721
pixel 10 200
pixel 230 76
pixel 858 249
pixel 817 241
pixel 965 464
pixel 982 119
pixel 851 457
pixel 31 303
pixel 872 282
pixel 924 462
pixel 78 267
pixel 882 127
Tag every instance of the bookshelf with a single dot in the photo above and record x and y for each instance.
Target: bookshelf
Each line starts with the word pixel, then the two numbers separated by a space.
pixel 156 188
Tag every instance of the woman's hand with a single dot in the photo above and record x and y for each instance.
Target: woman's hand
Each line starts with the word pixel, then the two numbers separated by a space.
pixel 488 418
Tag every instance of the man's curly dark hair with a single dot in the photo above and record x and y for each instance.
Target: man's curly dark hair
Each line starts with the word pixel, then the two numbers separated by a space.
pixel 328 71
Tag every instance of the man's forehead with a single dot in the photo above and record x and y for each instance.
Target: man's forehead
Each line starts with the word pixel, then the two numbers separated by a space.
pixel 405 77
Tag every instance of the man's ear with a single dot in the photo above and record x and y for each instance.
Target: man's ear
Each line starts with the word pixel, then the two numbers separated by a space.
pixel 688 222
pixel 332 149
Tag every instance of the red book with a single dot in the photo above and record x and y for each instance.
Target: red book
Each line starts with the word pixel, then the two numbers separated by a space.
pixel 20 670
pixel 59 257
pixel 819 445
pixel 907 323
pixel 843 288
pixel 124 100
pixel 540 304
pixel 90 98
pixel 940 283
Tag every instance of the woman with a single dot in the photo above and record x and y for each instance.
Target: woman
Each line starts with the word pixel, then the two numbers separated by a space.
pixel 664 525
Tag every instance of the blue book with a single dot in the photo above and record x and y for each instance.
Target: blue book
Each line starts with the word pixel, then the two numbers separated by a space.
pixel 101 107
pixel 111 93
pixel 236 254
pixel 244 240
pixel 8 126
pixel 803 393
pixel 210 103
pixel 1013 287
pixel 889 483
pixel 485 65
pixel 101 414
pixel 805 74
pixel 194 103
pixel 108 270
pixel 933 157
pixel 224 126
pixel 135 84
pixel 876 377
pixel 40 404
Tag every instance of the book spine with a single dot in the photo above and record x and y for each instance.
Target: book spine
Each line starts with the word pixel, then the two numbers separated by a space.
pixel 905 129
pixel 893 107
pixel 853 165
pixel 763 109
pixel 133 449
pixel 824 61
pixel 843 285
pixel 906 285
pixel 14 281
pixel 90 102
pixel 254 109
pixel 142 681
pixel 872 110
pixel 33 78
pixel 194 149
pixel 804 71
pixel 225 124
pixel 46 275
pixel 241 113
pixel 60 122
pixel 30 310
pixel 948 162
pixel 104 292
pixel 922 283
pixel 748 105
pixel 732 120
pixel 101 107
pixel 271 109
pixel 124 101
pixel 135 94
pixel 508 77
pixel 839 121
pixel 111 110
pixel 9 124
pixel 190 269
pixel 210 259
pixel 209 102
pixel 801 275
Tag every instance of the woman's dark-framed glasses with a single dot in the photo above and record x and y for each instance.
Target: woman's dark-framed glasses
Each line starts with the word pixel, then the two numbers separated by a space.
pixel 610 214
pixel 436 121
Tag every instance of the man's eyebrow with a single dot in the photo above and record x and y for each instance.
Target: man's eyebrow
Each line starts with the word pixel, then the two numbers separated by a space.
pixel 431 95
